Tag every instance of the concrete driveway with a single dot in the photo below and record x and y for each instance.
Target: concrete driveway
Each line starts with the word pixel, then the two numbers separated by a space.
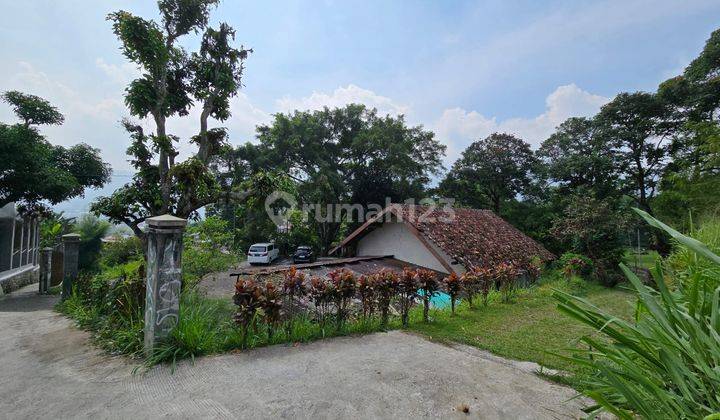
pixel 49 370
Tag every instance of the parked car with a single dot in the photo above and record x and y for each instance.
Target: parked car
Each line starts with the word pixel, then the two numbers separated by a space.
pixel 303 254
pixel 264 253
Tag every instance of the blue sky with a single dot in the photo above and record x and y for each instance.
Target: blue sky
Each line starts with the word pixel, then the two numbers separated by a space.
pixel 461 68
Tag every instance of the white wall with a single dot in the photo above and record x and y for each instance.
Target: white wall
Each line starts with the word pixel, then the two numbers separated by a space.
pixel 393 238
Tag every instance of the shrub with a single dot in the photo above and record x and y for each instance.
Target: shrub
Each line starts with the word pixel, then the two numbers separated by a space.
pixel 572 264
pixel 685 265
pixel 470 284
pixel 321 293
pixel 595 227
pixel 271 304
pixel 367 294
pixel 91 230
pixel 429 287
pixel 506 276
pixel 386 282
pixel 121 252
pixel 248 298
pixel 665 365
pixel 485 279
pixel 343 290
pixel 294 288
pixel 453 287
pixel 111 305
pixel 407 292
pixel 207 249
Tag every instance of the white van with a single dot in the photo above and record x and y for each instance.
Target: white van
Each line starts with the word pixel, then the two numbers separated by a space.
pixel 264 253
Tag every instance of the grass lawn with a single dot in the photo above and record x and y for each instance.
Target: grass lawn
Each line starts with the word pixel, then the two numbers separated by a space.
pixel 644 259
pixel 526 329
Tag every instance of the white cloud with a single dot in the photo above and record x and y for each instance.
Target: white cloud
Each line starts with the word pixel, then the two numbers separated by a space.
pixel 341 97
pixel 67 99
pixel 241 125
pixel 458 128
pixel 121 74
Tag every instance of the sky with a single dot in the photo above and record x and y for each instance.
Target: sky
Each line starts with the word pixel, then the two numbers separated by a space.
pixel 463 69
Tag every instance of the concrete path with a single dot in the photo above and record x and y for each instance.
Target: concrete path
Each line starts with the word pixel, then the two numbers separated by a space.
pixel 49 370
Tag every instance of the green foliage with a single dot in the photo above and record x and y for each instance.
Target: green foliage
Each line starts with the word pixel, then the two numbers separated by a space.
pixel 664 365
pixel 32 110
pixel 492 170
pixel 121 251
pixel 207 249
pixel 35 171
pixel 110 304
pixel 91 230
pixel 52 226
pixel 579 155
pixel 685 265
pixel 594 228
pixel 573 264
pixel 170 84
pixel 344 155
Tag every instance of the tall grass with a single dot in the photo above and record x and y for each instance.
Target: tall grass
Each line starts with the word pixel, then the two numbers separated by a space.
pixel 667 363
pixel 206 327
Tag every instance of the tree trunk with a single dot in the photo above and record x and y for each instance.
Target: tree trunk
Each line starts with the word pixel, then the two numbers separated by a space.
pixel 426 307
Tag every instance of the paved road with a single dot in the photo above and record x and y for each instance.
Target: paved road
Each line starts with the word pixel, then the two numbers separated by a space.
pixel 49 370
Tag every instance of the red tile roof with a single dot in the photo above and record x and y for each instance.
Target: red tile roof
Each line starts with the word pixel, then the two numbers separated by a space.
pixel 475 238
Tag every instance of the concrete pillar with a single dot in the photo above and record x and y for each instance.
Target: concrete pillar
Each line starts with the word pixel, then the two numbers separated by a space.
pixel 45 270
pixel 164 277
pixel 71 250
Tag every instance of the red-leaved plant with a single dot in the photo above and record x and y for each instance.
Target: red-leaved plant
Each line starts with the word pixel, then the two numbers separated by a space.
pixel 271 304
pixel 367 294
pixel 506 276
pixel 248 298
pixel 343 290
pixel 321 293
pixel 386 282
pixel 407 292
pixel 485 280
pixel 428 285
pixel 453 287
pixel 470 284
pixel 294 288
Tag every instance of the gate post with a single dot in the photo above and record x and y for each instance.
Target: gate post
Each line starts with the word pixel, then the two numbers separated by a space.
pixel 45 270
pixel 71 250
pixel 164 277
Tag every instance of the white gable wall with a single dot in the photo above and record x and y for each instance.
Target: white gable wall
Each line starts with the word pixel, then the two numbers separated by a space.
pixel 394 238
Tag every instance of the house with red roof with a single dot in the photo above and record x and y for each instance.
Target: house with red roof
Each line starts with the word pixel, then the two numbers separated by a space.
pixel 443 239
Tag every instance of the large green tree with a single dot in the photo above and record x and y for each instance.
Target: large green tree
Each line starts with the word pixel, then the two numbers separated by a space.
pixel 33 171
pixel 491 171
pixel 637 126
pixel 347 155
pixel 171 82
pixel 695 148
pixel 578 155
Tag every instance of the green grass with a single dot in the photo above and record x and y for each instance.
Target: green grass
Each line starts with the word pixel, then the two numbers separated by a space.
pixel 644 259
pixel 531 328
pixel 206 327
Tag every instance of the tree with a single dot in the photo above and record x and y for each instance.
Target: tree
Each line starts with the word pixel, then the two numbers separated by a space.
pixel 695 148
pixel 577 155
pixel 347 155
pixel 636 125
pixel 91 230
pixel 594 228
pixel 33 171
pixel 493 170
pixel 170 83
pixel 33 110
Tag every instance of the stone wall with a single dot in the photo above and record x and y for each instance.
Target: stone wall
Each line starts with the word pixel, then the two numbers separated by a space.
pixel 14 279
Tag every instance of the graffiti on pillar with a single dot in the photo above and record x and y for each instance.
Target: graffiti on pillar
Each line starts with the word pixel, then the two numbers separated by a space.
pixel 168 303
